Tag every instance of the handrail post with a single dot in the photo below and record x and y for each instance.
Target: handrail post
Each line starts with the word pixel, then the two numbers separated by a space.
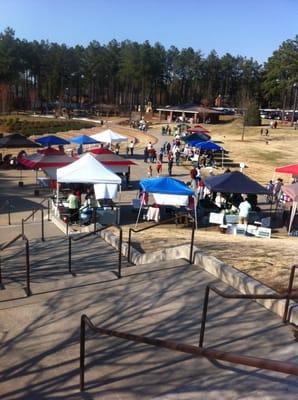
pixel 33 214
pixel 69 254
pixel 42 225
pixel 23 228
pixel 8 214
pixel 82 353
pixel 120 253
pixel 0 269
pixel 204 316
pixel 27 269
pixel 49 210
pixel 129 245
pixel 192 242
pixel 94 219
pixel 67 226
pixel 289 292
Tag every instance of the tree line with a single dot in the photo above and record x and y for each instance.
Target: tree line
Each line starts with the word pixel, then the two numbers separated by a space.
pixel 129 73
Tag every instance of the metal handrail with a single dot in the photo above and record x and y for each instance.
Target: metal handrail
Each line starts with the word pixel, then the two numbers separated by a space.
pixel 255 362
pixel 288 296
pixel 162 223
pixel 27 255
pixel 42 221
pixel 70 239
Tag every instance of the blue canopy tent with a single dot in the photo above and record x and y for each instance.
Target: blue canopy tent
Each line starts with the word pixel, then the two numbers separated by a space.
pixel 234 182
pixel 168 190
pixel 83 139
pixel 51 140
pixel 209 146
pixel 166 185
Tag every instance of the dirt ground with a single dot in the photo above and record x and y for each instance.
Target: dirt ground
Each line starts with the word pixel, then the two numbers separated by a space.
pixel 267 260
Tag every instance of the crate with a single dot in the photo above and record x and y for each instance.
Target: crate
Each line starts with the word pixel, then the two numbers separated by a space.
pixel 263 233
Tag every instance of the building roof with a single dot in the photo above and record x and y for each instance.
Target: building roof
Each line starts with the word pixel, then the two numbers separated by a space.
pixel 189 108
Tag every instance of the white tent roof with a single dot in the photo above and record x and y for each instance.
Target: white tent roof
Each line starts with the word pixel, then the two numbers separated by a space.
pixel 109 136
pixel 86 170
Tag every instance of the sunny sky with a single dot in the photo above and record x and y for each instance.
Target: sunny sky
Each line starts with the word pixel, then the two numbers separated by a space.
pixel 251 28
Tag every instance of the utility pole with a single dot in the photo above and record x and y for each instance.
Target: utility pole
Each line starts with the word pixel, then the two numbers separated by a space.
pixel 295 87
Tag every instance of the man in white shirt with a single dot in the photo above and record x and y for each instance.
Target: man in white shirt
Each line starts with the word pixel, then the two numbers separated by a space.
pixel 244 209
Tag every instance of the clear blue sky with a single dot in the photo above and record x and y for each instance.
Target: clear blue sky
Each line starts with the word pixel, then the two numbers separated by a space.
pixel 251 28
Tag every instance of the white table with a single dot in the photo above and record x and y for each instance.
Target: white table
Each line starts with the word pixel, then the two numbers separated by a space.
pixel 153 214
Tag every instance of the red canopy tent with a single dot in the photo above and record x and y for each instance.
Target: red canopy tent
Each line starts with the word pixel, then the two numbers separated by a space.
pixel 112 161
pixel 288 169
pixel 48 160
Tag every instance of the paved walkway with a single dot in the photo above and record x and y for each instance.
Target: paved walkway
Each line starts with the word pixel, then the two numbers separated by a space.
pixel 40 336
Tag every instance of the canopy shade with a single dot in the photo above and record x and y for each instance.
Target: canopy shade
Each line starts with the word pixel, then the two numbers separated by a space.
pixel 166 185
pixel 109 136
pixel 208 145
pixel 51 140
pixel 83 139
pixel 107 157
pixel 199 137
pixel 291 191
pixel 16 140
pixel 197 128
pixel 86 170
pixel 288 169
pixel 45 160
pixel 234 182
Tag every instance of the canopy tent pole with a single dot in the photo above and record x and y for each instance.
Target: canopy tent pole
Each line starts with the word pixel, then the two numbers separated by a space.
pixel 141 205
pixel 57 193
pixel 293 212
pixel 222 158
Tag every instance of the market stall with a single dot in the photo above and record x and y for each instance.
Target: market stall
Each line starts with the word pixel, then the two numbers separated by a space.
pixel 166 191
pixel 87 170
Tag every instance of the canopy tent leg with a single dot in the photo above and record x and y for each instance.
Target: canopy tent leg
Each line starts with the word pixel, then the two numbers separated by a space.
pixel 293 212
pixel 139 212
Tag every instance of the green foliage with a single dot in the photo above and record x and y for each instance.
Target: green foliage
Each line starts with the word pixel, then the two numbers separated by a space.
pixel 130 73
pixel 252 115
pixel 29 127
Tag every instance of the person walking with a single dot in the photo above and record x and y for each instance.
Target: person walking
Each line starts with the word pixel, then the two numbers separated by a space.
pixel 158 167
pixel 170 165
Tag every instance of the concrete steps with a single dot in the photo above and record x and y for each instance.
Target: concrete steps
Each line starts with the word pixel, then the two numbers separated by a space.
pixel 40 334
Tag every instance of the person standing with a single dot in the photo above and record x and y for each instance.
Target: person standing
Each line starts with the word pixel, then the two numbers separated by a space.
pixel 131 147
pixel 149 171
pixel 244 209
pixel 170 165
pixel 146 154
pixel 73 206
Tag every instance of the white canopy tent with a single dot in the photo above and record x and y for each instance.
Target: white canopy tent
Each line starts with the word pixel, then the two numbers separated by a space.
pixel 88 170
pixel 292 192
pixel 109 136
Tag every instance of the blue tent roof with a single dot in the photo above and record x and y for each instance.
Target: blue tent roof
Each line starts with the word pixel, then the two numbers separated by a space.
pixel 234 182
pixel 165 185
pixel 206 145
pixel 83 139
pixel 51 140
